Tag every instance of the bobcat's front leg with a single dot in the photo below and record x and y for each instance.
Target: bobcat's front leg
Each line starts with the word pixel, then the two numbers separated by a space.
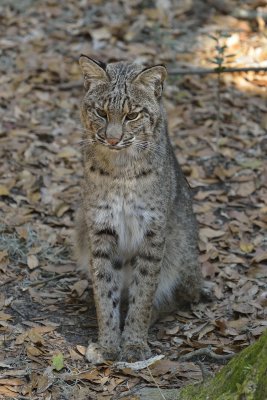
pixel 141 295
pixel 107 288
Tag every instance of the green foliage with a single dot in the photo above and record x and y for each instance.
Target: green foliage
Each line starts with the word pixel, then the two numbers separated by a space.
pixel 58 362
pixel 220 47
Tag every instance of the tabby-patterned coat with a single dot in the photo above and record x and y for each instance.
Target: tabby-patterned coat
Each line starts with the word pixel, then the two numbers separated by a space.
pixel 136 231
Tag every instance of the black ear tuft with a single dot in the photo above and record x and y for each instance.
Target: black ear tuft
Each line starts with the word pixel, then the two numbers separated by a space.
pixel 100 63
pixel 93 71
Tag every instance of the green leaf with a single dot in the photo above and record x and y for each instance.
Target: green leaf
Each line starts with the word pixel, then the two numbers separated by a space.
pixel 213 61
pixel 220 49
pixel 219 69
pixel 219 60
pixel 213 37
pixel 58 361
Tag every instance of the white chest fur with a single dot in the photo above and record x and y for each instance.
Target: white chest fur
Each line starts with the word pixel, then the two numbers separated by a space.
pixel 131 220
pixel 130 225
pixel 130 217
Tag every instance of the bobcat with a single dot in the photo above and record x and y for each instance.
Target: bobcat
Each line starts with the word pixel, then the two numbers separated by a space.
pixel 136 230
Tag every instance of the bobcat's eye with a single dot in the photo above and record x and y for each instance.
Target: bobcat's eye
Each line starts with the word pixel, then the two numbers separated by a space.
pixel 101 113
pixel 132 116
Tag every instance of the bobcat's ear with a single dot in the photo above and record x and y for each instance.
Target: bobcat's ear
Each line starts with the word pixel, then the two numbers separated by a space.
pixel 153 77
pixel 92 70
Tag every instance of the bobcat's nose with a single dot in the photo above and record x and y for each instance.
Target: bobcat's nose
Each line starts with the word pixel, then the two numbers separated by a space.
pixel 112 141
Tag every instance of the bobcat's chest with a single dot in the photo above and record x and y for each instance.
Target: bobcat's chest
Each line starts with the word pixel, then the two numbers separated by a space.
pixel 130 219
pixel 130 222
pixel 125 211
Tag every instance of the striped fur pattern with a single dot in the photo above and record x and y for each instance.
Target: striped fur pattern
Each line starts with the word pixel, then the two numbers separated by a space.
pixel 136 232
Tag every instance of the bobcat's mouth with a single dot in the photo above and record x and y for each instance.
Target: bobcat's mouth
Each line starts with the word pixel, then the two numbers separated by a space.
pixel 119 146
pixel 122 144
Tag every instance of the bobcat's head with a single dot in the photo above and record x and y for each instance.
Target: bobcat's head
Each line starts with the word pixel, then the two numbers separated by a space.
pixel 121 107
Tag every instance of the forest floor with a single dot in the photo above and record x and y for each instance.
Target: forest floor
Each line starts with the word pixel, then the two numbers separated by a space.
pixel 219 131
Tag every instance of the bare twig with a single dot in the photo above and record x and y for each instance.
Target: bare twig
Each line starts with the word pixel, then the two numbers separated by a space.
pixel 156 383
pixel 7 281
pixel 197 71
pixel 206 351
pixel 136 366
pixel 205 373
pixel 203 71
pixel 53 278
pixel 218 130
pixel 249 14
pixel 17 311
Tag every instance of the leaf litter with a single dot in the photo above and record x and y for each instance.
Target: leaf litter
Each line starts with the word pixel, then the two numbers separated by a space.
pixel 46 306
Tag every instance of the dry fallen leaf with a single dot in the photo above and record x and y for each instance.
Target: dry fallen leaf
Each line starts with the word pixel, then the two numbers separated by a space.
pixel 81 349
pixel 246 188
pixel 4 191
pixel 12 381
pixel 8 393
pixel 239 323
pixel 32 261
pixel 172 331
pixel 79 287
pixel 35 337
pixel 33 351
pixel 261 255
pixel 246 247
pixel 4 317
pixel 243 308
pixel 208 233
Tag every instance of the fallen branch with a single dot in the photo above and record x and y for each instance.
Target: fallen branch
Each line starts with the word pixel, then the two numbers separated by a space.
pixel 7 281
pixel 155 382
pixel 46 280
pixel 204 371
pixel 204 71
pixel 249 14
pixel 138 365
pixel 197 71
pixel 206 351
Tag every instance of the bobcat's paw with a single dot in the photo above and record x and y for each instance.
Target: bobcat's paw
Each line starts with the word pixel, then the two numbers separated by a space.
pixel 96 354
pixel 133 352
